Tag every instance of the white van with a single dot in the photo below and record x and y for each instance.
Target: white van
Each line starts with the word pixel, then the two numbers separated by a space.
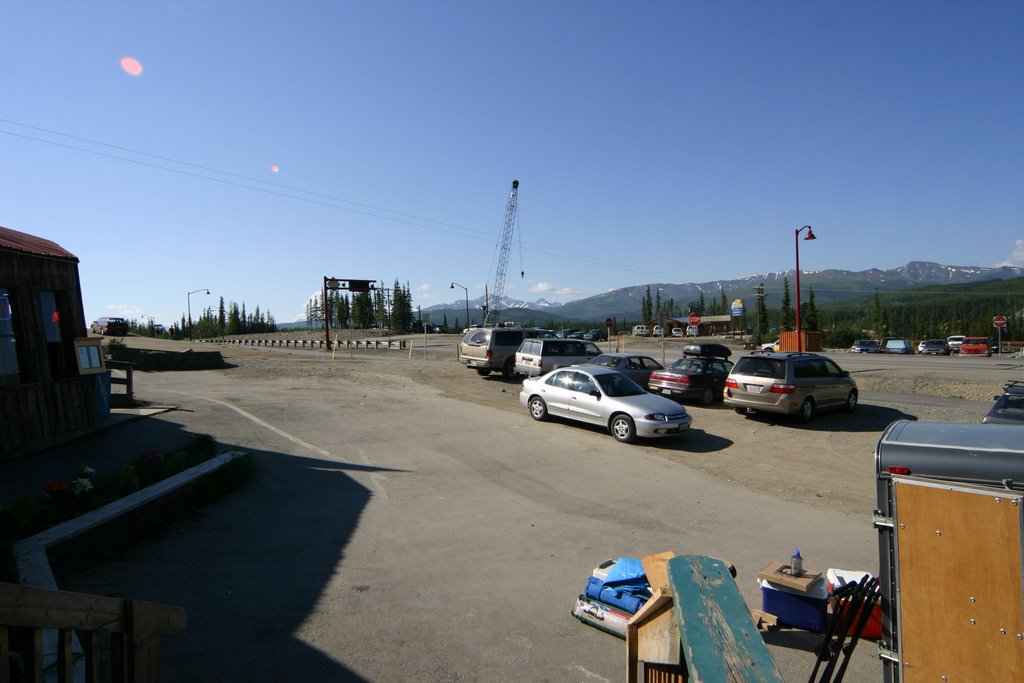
pixel 640 331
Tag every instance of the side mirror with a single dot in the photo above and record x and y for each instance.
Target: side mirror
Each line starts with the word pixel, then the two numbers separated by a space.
pixel 596 394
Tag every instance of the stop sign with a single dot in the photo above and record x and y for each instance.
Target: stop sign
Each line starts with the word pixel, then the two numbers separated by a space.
pixel 694 319
pixel 999 321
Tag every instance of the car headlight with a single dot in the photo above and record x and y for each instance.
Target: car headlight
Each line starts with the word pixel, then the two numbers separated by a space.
pixel 657 417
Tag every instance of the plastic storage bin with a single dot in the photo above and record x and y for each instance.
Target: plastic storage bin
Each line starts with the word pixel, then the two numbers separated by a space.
pixel 806 610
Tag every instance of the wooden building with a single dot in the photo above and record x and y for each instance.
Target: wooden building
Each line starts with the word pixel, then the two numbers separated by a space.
pixel 50 390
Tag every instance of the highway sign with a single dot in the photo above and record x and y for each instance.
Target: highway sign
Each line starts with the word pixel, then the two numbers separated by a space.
pixel 694 319
pixel 999 321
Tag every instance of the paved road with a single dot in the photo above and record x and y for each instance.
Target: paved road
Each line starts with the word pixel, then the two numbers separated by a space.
pixel 392 533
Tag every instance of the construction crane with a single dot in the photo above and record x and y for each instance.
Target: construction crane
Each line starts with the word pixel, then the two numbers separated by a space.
pixel 491 316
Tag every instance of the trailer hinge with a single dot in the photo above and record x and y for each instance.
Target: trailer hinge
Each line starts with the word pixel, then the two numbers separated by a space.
pixel 885 653
pixel 883 521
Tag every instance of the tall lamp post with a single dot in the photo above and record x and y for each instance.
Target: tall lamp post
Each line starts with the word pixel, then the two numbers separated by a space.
pixel 796 238
pixel 453 286
pixel 189 296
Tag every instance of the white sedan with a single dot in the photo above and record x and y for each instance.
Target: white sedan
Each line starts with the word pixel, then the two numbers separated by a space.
pixel 603 396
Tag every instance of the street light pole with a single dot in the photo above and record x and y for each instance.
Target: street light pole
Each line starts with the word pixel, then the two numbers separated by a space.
pixel 796 238
pixel 189 297
pixel 453 286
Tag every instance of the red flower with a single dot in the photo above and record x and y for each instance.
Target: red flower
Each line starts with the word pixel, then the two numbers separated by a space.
pixel 52 486
pixel 151 458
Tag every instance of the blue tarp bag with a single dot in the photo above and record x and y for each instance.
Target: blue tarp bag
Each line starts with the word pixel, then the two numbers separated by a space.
pixel 627 602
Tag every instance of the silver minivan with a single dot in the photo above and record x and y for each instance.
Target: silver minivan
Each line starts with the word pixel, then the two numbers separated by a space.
pixel 539 356
pixel 790 383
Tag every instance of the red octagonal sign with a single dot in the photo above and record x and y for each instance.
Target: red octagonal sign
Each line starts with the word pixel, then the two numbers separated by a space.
pixel 999 321
pixel 694 319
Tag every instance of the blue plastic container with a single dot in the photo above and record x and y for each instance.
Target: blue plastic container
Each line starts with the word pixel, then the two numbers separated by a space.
pixel 795 608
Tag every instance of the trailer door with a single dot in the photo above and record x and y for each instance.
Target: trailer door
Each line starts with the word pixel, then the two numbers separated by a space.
pixel 959 574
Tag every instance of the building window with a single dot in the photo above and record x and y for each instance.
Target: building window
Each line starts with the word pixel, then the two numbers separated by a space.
pixel 53 307
pixel 9 373
pixel 51 316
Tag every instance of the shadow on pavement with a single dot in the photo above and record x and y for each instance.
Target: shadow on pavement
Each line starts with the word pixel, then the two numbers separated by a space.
pixel 866 418
pixel 250 570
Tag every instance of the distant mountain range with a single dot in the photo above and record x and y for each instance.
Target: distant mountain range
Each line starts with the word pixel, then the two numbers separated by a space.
pixel 828 286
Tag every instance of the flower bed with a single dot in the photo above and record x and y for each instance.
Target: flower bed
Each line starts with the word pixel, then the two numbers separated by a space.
pixel 64 500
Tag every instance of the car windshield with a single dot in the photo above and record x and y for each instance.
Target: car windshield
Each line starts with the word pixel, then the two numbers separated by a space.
pixel 606 360
pixel 614 384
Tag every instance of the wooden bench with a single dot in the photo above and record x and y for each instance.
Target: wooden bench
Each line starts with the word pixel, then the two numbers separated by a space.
pixel 712 637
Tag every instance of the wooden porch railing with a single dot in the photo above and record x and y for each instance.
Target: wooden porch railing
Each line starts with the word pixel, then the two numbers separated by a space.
pixel 127 380
pixel 120 639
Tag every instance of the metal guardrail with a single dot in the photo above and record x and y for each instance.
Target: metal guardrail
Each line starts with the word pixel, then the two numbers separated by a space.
pixel 337 344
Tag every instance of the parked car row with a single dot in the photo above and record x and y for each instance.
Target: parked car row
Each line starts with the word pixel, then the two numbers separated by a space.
pixel 633 396
pixel 938 347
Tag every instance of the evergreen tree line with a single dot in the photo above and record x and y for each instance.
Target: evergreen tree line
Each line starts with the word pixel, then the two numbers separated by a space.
pixel 384 308
pixel 225 320
pixel 654 309
pixel 926 313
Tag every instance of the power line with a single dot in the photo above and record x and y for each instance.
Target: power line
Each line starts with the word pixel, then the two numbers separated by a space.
pixel 397 217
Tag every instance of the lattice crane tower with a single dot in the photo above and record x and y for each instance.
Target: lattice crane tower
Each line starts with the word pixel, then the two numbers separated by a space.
pixel 506 244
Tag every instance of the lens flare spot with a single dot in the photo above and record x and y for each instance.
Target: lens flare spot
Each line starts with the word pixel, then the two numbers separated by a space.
pixel 275 168
pixel 131 66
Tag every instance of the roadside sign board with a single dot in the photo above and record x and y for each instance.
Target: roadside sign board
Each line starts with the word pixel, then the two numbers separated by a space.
pixel 999 321
pixel 694 319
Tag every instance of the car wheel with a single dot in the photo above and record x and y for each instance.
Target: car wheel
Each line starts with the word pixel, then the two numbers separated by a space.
pixel 851 401
pixel 538 408
pixel 622 428
pixel 482 372
pixel 508 370
pixel 707 397
pixel 807 410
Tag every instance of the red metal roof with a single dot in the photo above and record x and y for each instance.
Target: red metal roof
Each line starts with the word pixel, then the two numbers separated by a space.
pixel 21 241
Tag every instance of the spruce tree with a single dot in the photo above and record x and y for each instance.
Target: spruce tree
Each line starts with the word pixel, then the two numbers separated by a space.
pixel 787 306
pixel 809 319
pixel 761 332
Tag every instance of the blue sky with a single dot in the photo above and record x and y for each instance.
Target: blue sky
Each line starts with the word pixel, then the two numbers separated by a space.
pixel 654 142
